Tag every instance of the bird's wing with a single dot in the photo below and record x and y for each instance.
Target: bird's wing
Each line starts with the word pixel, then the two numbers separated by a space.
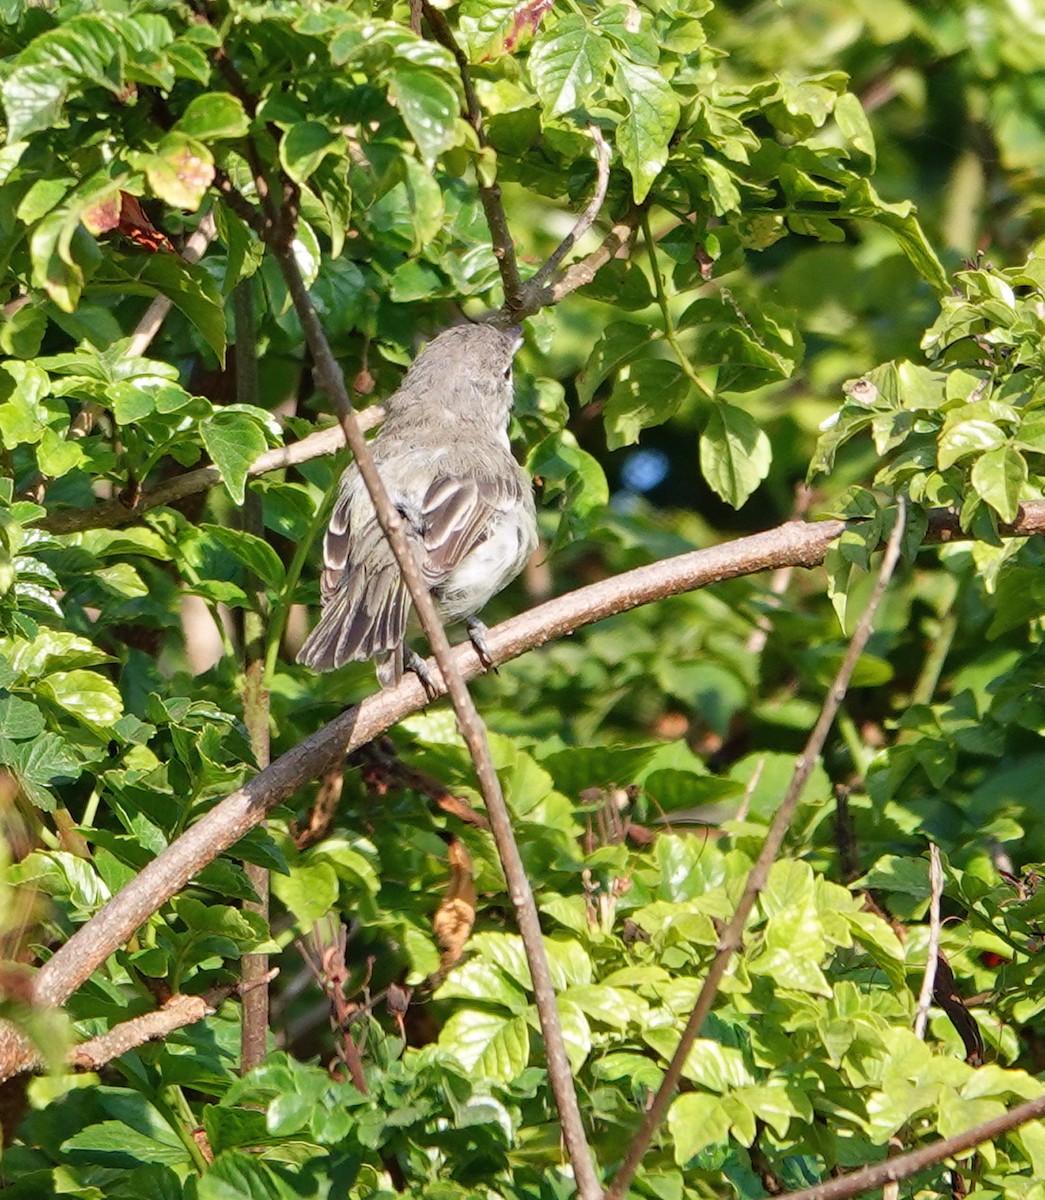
pixel 455 513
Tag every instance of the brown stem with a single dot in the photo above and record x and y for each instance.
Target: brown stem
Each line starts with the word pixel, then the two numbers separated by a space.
pixel 799 543
pixel 489 193
pixel 330 378
pixel 177 1012
pixel 587 218
pixel 253 967
pixel 112 513
pixel 730 940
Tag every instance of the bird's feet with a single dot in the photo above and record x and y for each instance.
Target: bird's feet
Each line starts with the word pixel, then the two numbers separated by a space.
pixel 412 661
pixel 477 632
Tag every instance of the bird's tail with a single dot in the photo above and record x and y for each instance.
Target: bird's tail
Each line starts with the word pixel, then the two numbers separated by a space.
pixel 365 617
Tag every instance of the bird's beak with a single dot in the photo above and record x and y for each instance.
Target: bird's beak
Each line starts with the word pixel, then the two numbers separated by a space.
pixel 516 334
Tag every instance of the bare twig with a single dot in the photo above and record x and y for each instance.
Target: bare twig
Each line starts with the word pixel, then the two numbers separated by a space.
pixel 730 940
pixel 176 1013
pixel 799 543
pixel 111 513
pixel 329 376
pixel 489 193
pixel 903 1166
pixel 253 967
pixel 533 296
pixel 925 997
pixel 149 325
pixel 587 218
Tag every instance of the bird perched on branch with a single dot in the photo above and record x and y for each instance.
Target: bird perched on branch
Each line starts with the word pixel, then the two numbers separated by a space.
pixel 466 504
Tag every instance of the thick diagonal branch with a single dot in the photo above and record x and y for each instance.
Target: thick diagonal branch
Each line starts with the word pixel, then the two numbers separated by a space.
pixel 330 378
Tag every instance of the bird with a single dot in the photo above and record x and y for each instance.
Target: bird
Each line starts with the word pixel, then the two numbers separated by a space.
pixel 467 508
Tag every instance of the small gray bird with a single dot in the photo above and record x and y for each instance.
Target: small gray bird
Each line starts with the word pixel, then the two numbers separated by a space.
pixel 467 505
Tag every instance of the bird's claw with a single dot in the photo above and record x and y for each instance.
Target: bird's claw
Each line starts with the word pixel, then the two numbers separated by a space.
pixel 477 632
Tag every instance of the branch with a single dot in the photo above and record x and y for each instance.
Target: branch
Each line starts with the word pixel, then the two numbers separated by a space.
pixel 111 513
pixel 533 297
pixel 921 1016
pixel 176 1013
pixel 731 938
pixel 586 219
pixel 796 543
pixel 489 194
pixel 903 1166
pixel 254 1018
pixel 330 378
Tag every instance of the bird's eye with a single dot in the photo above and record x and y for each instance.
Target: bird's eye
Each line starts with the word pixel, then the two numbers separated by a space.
pixel 508 374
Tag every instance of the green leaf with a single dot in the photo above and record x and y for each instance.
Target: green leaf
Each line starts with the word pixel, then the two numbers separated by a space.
pixel 86 695
pixel 650 394
pixel 999 477
pixel 118 1145
pixel 735 454
pixel 233 440
pixel 696 1121
pixel 213 116
pixel 309 892
pixel 39 763
pixel 568 65
pixel 304 146
pixel 967 437
pixel 489 1045
pixel 430 108
pixel 19 719
pixel 645 133
pixel 190 288
pixel 253 552
pixel 620 342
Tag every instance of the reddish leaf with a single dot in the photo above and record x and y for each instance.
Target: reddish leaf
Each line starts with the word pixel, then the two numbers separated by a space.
pixel 527 18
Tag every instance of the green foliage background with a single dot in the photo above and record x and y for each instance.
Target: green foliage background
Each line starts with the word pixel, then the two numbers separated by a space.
pixel 777 153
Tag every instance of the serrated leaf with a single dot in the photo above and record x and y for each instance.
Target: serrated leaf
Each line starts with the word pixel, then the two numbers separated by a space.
pixel 735 453
pixel 645 133
pixel 40 763
pixel 19 719
pixel 568 64
pixel 86 695
pixel 233 440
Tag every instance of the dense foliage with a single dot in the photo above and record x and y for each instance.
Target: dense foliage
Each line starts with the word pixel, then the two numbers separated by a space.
pixel 778 311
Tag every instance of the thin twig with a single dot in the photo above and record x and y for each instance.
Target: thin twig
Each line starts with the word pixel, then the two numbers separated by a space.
pixel 925 997
pixel 533 297
pixel 587 218
pixel 489 193
pixel 254 1019
pixel 176 1013
pixel 730 940
pixel 330 378
pixel 150 323
pixel 111 513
